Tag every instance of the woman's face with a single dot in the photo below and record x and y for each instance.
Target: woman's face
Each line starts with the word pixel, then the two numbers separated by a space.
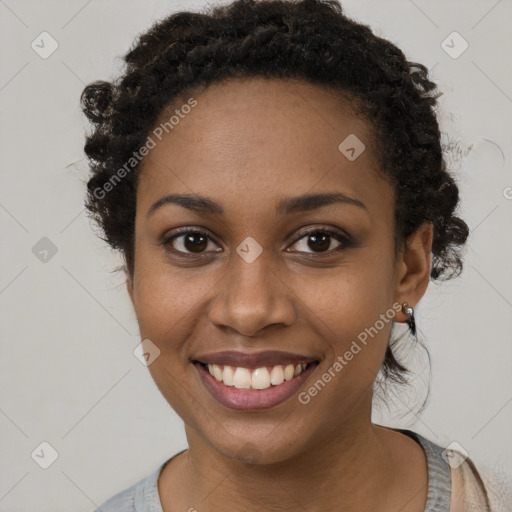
pixel 255 291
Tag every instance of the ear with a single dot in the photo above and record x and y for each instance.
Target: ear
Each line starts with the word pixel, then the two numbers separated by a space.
pixel 413 268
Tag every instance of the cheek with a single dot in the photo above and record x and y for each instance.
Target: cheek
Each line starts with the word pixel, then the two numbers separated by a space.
pixel 166 308
pixel 168 311
pixel 352 310
pixel 355 322
pixel 351 297
pixel 165 296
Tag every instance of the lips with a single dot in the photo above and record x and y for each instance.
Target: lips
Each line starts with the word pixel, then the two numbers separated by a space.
pixel 251 381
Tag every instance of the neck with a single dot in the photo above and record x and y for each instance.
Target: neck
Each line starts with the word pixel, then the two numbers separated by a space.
pixel 350 470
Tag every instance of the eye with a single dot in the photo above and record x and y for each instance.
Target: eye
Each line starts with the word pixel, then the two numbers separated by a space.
pixel 191 241
pixel 320 240
pixel 188 241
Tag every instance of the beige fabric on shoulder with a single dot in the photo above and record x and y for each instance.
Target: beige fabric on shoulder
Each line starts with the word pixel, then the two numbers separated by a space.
pixel 479 491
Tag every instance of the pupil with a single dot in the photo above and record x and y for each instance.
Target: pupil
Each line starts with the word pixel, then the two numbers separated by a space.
pixel 316 239
pixel 191 245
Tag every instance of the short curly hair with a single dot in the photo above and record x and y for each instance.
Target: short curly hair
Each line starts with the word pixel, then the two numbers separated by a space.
pixel 309 40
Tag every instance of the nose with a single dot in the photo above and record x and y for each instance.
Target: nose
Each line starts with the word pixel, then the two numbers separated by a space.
pixel 252 296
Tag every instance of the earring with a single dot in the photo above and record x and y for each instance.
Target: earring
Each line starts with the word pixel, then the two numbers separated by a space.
pixel 409 311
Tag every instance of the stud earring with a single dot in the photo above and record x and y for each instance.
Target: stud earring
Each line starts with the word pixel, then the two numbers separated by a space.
pixel 409 311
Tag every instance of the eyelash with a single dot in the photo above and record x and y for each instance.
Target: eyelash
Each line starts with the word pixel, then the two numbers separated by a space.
pixel 341 237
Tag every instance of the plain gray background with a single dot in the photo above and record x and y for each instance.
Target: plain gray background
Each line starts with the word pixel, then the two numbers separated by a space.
pixel 68 373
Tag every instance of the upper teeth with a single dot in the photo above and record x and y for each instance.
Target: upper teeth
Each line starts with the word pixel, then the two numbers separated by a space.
pixel 259 378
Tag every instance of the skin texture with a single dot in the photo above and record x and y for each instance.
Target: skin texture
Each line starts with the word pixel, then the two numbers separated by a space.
pixel 246 145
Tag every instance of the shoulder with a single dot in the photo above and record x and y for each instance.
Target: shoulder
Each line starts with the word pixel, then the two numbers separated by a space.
pixel 479 490
pixel 456 485
pixel 124 501
pixel 139 497
pixel 471 489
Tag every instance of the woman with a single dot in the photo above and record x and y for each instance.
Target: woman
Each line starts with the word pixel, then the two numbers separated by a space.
pixel 272 173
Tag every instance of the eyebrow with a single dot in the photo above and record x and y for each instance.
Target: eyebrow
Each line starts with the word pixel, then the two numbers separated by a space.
pixel 304 203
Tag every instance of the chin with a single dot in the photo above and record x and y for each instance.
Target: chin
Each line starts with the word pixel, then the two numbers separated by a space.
pixel 270 443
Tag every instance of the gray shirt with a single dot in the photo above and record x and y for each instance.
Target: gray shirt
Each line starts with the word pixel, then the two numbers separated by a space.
pixel 143 496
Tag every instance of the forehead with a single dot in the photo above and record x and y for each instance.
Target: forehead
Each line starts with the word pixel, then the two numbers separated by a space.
pixel 257 140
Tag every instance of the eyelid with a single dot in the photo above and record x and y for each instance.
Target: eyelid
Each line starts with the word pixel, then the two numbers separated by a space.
pixel 331 230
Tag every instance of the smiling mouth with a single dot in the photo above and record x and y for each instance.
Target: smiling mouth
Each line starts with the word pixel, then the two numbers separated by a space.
pixel 261 378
